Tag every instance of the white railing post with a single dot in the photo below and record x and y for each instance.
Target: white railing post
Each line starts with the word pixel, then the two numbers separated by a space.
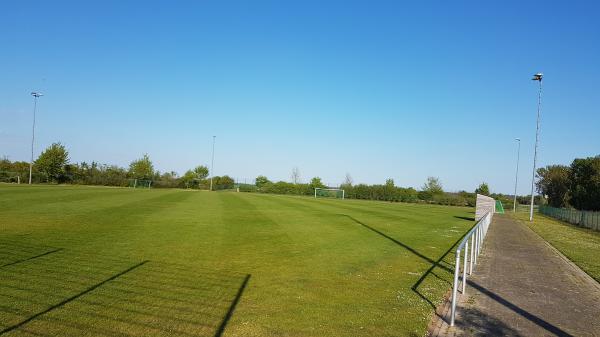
pixel 478 241
pixel 472 250
pixel 482 236
pixel 464 280
pixel 455 287
pixel 476 245
pixel 474 238
pixel 479 234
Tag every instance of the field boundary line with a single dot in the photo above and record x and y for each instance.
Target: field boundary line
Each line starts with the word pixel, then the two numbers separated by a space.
pixel 70 299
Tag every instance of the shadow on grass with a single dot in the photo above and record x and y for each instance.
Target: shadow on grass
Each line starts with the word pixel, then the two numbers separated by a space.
pixel 234 303
pixel 434 263
pixel 72 293
pixel 410 249
pixel 67 300
pixel 468 218
pixel 30 258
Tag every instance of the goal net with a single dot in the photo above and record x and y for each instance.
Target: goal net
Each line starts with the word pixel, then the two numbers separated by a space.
pixel 329 193
pixel 140 183
pixel 10 177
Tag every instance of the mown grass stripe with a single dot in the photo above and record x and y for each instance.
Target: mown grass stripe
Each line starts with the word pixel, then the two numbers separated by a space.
pixel 72 298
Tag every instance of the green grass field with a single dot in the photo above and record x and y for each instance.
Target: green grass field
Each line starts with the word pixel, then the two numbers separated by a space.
pixel 93 261
pixel 580 245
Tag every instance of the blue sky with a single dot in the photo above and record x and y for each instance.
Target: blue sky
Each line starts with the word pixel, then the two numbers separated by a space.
pixel 377 89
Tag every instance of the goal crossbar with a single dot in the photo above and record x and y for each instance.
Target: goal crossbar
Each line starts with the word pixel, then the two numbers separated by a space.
pixel 317 189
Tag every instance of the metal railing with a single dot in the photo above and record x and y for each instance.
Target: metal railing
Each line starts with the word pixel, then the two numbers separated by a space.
pixel 580 218
pixel 475 236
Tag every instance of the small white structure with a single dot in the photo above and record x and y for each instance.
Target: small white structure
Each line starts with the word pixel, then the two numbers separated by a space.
pixel 483 205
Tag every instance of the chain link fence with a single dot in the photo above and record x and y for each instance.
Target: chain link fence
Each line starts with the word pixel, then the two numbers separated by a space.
pixel 580 218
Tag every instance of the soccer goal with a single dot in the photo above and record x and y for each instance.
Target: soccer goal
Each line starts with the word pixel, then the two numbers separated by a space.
pixel 329 193
pixel 10 177
pixel 140 183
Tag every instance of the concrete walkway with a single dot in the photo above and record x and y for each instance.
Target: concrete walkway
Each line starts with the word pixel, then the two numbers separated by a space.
pixel 523 287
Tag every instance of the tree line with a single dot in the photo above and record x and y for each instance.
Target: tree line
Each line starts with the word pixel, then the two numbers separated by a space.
pixel 431 192
pixel 576 185
pixel 53 166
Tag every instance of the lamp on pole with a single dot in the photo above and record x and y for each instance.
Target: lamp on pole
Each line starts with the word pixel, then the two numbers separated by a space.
pixel 536 77
pixel 212 164
pixel 35 95
pixel 517 174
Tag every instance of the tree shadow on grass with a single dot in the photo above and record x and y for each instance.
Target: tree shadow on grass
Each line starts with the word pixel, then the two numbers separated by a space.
pixel 70 293
pixel 439 263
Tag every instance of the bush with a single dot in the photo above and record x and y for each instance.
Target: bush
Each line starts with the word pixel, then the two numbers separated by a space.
pixel 223 183
pixel 450 200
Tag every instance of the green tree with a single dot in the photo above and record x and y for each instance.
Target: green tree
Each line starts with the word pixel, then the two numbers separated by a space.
pixel 141 168
pixel 201 172
pixel 389 190
pixel 261 181
pixel 433 186
pixel 195 177
pixel 52 162
pixel 223 183
pixel 584 186
pixel 316 183
pixel 553 181
pixel 389 183
pixel 5 164
pixel 188 178
pixel 483 189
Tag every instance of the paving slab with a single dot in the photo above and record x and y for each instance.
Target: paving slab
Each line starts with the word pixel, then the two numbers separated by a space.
pixel 522 286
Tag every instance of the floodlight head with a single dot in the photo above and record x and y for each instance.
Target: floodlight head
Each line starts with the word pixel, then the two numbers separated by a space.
pixel 518 139
pixel 537 77
pixel 36 94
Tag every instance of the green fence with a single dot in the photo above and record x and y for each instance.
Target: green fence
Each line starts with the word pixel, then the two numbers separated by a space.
pixel 573 216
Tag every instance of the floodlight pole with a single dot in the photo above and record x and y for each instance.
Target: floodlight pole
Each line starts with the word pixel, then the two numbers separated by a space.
pixel 35 95
pixel 212 164
pixel 536 77
pixel 517 174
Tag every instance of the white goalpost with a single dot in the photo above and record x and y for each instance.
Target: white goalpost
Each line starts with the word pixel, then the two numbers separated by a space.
pixel 330 193
pixel 10 177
